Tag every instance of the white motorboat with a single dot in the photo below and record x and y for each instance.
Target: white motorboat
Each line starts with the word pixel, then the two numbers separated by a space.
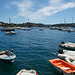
pixel 68 45
pixel 6 55
pixel 67 55
pixel 27 29
pixel 71 30
pixel 10 33
pixel 27 72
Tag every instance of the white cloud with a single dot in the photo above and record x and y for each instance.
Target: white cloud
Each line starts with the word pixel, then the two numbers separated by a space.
pixel 14 17
pixel 7 6
pixel 23 7
pixel 26 8
pixel 55 1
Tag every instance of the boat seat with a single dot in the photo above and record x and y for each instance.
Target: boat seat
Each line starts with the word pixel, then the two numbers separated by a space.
pixel 2 52
pixel 3 56
pixel 58 63
pixel 24 73
pixel 65 68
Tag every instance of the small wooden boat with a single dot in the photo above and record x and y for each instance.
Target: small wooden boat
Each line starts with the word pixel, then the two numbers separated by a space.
pixel 6 55
pixel 63 67
pixel 8 29
pixel 10 33
pixel 68 45
pixel 27 72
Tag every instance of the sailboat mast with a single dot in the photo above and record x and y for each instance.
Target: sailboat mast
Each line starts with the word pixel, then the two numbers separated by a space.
pixel 72 20
pixel 9 20
pixel 64 21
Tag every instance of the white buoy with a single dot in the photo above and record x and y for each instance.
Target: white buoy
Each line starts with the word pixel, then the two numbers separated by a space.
pixel 54 54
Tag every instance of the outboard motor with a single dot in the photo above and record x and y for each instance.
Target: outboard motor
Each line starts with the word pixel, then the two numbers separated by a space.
pixel 60 51
pixel 73 73
pixel 62 42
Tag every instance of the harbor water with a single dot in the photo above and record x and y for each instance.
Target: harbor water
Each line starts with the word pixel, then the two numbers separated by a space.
pixel 33 49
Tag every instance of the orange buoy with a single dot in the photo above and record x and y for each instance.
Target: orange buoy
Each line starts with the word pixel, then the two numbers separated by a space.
pixel 11 50
pixel 36 73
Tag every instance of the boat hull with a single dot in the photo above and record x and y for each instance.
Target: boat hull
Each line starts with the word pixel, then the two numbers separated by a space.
pixel 59 70
pixel 27 29
pixel 9 33
pixel 9 58
pixel 63 67
pixel 6 55
pixel 7 61
pixel 7 29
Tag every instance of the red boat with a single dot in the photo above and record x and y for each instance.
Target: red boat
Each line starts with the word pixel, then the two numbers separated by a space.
pixel 63 67
pixel 7 29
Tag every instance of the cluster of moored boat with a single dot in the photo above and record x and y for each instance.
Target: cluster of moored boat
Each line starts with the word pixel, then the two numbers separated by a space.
pixel 8 56
pixel 68 29
pixel 27 28
pixel 11 31
pixel 66 67
pixel 68 45
pixel 24 28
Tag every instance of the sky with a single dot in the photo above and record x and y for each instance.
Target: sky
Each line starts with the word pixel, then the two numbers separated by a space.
pixel 37 11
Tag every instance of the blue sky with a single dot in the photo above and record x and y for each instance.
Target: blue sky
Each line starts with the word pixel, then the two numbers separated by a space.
pixel 37 11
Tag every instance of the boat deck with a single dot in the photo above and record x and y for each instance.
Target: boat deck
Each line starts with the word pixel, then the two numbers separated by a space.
pixel 3 56
pixel 27 72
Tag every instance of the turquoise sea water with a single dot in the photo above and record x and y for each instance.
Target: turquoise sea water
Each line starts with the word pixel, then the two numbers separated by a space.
pixel 33 48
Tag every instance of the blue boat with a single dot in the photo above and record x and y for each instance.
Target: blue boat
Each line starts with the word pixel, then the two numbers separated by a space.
pixel 6 55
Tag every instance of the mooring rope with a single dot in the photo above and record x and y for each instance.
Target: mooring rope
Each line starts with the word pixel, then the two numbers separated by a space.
pixel 29 66
pixel 24 63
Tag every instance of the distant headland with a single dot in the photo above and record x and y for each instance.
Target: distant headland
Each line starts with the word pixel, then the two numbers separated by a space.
pixel 29 24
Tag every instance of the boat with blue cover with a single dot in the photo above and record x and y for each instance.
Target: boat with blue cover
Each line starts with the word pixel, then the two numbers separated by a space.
pixel 6 55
